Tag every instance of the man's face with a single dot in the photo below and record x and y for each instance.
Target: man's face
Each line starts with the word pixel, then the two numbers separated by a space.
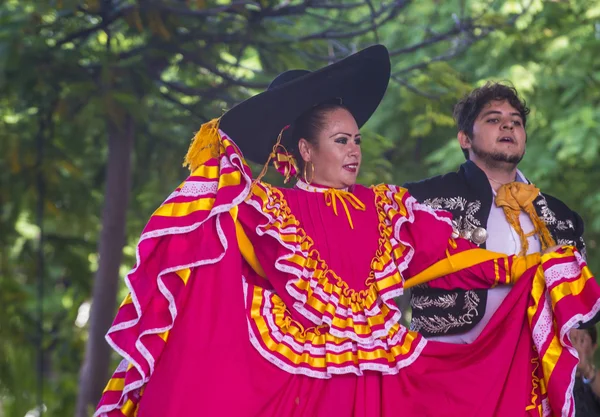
pixel 499 136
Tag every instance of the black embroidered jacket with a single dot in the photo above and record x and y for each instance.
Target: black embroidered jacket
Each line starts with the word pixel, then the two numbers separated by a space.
pixel 467 194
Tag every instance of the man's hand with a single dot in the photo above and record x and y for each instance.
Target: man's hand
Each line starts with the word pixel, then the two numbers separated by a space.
pixel 582 342
pixel 552 249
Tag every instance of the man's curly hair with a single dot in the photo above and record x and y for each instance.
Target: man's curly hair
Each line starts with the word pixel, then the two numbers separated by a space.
pixel 469 107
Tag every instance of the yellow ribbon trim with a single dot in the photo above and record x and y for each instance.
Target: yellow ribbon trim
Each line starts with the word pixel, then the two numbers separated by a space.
pixel 183 209
pixel 467 259
pixel 127 300
pixel 535 385
pixel 115 384
pixel 315 338
pixel 332 196
pixel 184 274
pixel 522 264
pixel 129 408
pixel 246 248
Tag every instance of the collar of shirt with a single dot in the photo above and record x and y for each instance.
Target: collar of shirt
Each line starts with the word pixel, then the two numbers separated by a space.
pixel 519 178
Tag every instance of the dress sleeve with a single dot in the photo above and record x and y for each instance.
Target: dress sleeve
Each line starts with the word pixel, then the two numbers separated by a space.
pixel 435 257
pixel 465 267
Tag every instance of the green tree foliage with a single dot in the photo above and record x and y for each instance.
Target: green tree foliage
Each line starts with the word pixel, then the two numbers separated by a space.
pixel 552 57
pixel 83 83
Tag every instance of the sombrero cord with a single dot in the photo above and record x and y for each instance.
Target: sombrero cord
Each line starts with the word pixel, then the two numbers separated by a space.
pixel 271 156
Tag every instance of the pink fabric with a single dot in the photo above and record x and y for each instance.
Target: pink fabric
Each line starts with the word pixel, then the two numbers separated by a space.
pixel 210 368
pixel 187 338
pixel 347 251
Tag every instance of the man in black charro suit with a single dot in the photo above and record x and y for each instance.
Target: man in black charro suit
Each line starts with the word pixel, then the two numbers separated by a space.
pixel 491 122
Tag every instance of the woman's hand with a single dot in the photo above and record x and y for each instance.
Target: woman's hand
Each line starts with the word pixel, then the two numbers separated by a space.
pixel 551 249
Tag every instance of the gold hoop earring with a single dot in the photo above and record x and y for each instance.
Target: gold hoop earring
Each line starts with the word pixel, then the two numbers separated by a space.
pixel 312 176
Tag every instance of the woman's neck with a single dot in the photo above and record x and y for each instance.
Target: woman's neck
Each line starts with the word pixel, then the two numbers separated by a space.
pixel 316 187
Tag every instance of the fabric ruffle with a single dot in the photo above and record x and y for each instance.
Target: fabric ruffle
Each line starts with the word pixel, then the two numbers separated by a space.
pixel 353 330
pixel 165 256
pixel 564 293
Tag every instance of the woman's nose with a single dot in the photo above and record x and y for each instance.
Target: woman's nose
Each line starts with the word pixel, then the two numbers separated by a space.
pixel 354 150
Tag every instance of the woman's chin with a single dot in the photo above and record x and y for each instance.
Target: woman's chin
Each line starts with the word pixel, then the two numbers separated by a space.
pixel 350 178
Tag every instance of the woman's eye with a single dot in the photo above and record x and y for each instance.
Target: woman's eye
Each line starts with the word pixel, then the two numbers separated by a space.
pixel 358 141
pixel 343 141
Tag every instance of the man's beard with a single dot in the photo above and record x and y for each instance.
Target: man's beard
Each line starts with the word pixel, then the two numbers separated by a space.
pixel 497 159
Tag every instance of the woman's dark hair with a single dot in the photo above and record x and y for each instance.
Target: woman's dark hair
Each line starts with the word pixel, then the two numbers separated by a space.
pixel 467 109
pixel 309 125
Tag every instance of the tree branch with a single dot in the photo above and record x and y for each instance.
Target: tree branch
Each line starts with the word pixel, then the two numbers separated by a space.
pixel 201 118
pixel 392 10
pixel 195 59
pixel 373 20
pixel 214 11
pixel 85 33
pixel 414 89
pixel 442 57
pixel 212 93
pixel 432 40
pixel 330 6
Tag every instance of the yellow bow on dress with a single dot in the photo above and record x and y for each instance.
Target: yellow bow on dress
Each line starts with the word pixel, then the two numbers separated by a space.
pixel 332 196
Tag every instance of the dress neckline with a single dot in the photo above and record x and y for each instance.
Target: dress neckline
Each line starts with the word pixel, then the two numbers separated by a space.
pixel 317 188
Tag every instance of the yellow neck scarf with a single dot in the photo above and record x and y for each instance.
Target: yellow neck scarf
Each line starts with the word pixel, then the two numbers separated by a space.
pixel 332 196
pixel 516 196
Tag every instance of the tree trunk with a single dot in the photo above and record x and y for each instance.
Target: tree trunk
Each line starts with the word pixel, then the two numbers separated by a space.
pixel 94 371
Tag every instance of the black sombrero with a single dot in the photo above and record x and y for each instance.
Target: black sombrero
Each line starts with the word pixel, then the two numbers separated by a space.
pixel 359 80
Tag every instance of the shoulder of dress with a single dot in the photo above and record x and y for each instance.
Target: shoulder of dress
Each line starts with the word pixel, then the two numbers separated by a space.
pixel 395 195
pixel 391 187
pixel 266 186
pixel 267 192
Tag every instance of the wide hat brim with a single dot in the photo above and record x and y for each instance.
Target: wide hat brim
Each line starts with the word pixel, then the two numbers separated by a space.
pixel 359 80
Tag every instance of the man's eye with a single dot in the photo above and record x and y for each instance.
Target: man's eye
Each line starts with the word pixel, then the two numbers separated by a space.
pixel 517 122
pixel 492 120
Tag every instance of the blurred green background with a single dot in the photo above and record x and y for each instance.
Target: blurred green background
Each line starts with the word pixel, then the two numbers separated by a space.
pixel 99 100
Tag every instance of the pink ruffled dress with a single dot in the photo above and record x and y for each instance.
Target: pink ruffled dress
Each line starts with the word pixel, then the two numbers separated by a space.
pixel 249 300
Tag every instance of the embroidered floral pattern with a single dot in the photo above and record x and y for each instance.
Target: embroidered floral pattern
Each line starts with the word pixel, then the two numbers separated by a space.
pixel 421 302
pixel 440 325
pixel 549 217
pixel 458 205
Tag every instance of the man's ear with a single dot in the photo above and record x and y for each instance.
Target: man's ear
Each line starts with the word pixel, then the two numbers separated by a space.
pixel 464 140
